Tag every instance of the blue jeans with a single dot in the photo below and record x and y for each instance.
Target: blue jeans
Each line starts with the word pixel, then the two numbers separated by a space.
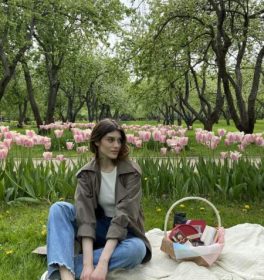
pixel 62 229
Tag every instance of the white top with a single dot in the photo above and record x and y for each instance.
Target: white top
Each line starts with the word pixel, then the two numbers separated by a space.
pixel 107 192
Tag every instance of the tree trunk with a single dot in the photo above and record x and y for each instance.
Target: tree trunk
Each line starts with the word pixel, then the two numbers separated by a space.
pixel 254 91
pixel 70 109
pixel 208 125
pixel 22 111
pixel 9 68
pixel 52 97
pixel 31 94
pixel 226 116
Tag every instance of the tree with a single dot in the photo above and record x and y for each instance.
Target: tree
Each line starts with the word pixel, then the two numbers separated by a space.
pixel 17 22
pixel 222 35
pixel 31 94
pixel 62 25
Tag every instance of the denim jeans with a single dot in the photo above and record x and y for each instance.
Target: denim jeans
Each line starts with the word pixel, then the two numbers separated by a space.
pixel 62 229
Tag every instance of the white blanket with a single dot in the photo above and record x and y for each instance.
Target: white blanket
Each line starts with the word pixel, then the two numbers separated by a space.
pixel 242 258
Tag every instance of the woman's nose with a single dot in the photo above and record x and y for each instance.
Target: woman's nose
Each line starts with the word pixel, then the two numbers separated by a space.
pixel 117 143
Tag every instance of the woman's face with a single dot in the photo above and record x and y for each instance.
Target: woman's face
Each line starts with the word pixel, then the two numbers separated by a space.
pixel 110 145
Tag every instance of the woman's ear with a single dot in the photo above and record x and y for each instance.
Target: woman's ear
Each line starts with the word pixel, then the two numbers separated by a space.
pixel 97 144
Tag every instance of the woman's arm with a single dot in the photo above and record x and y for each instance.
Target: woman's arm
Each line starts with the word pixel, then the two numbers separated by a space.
pixel 88 268
pixel 102 267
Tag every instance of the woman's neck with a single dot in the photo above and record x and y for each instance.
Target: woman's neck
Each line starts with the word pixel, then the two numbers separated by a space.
pixel 106 165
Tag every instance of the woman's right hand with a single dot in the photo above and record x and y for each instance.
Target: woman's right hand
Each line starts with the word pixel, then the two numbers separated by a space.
pixel 86 272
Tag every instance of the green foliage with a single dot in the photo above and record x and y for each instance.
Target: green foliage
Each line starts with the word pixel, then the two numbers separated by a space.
pixel 32 181
pixel 221 180
pixel 29 181
pixel 175 54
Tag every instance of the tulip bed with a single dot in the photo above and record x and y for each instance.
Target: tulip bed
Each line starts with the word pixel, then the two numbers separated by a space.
pixel 64 140
pixel 175 162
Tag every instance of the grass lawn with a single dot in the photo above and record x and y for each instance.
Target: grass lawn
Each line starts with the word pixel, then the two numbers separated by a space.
pixel 22 229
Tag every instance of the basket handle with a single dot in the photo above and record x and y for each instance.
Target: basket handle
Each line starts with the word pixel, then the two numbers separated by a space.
pixel 190 198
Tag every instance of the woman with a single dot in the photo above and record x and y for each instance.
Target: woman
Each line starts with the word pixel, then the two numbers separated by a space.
pixel 107 216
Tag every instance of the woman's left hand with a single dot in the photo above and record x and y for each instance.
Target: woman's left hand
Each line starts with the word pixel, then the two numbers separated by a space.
pixel 100 272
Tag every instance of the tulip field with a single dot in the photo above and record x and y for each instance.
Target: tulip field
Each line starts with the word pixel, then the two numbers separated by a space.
pixel 64 140
pixel 224 165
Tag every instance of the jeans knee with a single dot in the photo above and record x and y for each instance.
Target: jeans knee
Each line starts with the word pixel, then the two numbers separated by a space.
pixel 136 251
pixel 60 208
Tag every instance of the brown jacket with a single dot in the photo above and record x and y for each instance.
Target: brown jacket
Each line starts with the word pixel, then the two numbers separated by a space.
pixel 127 196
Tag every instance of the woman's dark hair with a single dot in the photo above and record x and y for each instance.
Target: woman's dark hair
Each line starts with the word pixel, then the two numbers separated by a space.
pixel 100 130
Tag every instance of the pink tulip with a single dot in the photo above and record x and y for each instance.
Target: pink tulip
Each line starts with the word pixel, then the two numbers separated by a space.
pixel 60 157
pixel 156 135
pixel 3 153
pixel 184 141
pixel 47 155
pixel 69 145
pixel 249 138
pixel 221 132
pixel 199 136
pixel 7 143
pixel 235 155
pixel 230 137
pixel 163 151
pixel 8 135
pixel 58 133
pixel 78 138
pixel 138 143
pixel 182 131
pixel 4 129
pixel 86 134
pixel 224 155
pixel 144 135
pixel 177 149
pixel 30 133
pixel 47 145
pixel 130 138
pixel 259 141
pixel 29 143
pixel 171 133
pixel 162 138
pixel 209 136
pixel 163 130
pixel 81 149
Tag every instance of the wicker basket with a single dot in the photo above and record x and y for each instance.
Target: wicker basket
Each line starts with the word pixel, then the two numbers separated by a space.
pixel 202 255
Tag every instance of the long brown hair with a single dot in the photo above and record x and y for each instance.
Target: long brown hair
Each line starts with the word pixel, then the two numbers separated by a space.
pixel 100 130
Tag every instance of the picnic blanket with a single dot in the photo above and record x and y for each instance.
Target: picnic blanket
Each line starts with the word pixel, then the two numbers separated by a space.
pixel 241 258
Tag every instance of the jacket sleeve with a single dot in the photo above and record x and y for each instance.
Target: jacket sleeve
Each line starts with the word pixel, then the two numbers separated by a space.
pixel 127 209
pixel 85 208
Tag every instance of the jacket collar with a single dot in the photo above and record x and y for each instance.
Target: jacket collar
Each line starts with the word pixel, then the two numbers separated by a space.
pixel 123 167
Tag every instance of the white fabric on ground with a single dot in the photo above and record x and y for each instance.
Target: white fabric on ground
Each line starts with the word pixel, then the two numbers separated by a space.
pixel 242 259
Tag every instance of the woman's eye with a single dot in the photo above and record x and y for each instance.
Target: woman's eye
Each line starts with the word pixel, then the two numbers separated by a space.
pixel 111 140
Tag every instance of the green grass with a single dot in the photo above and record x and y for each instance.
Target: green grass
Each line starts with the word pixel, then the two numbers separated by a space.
pixel 22 229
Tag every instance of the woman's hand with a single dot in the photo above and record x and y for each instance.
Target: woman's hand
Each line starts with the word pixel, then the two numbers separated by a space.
pixel 100 272
pixel 87 272
pixel 88 268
